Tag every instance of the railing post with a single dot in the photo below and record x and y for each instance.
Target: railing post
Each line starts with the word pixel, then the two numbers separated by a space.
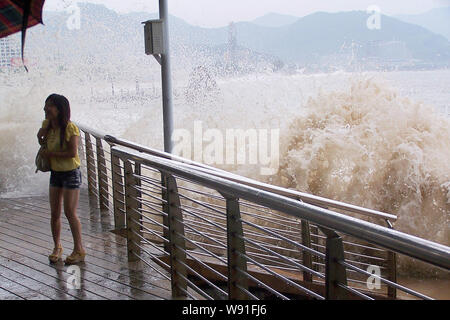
pixel 102 176
pixel 133 217
pixel 307 258
pixel 177 243
pixel 334 272
pixel 165 209
pixel 81 152
pixel 392 268
pixel 235 245
pixel 392 276
pixel 137 171
pixel 118 192
pixel 315 240
pixel 91 171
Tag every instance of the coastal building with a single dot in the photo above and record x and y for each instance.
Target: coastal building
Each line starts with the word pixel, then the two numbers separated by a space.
pixel 9 52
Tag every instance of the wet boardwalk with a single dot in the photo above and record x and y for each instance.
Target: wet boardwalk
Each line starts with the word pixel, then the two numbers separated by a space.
pixel 26 242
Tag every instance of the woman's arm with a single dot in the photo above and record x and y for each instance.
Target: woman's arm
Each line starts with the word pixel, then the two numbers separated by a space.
pixel 41 135
pixel 72 150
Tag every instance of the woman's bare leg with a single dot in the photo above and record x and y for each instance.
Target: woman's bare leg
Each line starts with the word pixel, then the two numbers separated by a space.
pixel 71 197
pixel 56 197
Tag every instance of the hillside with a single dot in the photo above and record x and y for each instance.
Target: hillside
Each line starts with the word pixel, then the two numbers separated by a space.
pixel 322 34
pixel 275 20
pixel 108 40
pixel 436 20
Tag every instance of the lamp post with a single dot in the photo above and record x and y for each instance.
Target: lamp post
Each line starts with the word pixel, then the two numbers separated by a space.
pixel 157 44
pixel 166 77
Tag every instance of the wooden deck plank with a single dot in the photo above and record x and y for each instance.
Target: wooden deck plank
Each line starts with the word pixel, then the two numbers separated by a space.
pixel 9 295
pixel 84 211
pixel 92 285
pixel 100 245
pixel 41 223
pixel 111 241
pixel 25 242
pixel 94 225
pixel 30 292
pixel 33 239
pixel 17 264
pixel 35 211
pixel 137 287
pixel 93 249
pixel 87 206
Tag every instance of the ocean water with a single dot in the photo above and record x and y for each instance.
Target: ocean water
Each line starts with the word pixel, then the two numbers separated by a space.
pixel 378 140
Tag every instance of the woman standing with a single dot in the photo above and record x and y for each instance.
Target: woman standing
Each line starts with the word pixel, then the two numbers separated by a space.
pixel 61 137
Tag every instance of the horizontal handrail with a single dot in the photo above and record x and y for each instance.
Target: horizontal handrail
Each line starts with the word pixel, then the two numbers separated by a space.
pixel 307 198
pixel 95 133
pixel 434 253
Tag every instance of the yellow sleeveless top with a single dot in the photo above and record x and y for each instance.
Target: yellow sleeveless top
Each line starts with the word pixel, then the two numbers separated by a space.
pixel 53 144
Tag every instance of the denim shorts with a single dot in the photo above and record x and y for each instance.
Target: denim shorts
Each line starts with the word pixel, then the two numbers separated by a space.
pixel 67 179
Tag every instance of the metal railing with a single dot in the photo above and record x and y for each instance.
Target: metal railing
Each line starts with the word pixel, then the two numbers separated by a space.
pixel 216 235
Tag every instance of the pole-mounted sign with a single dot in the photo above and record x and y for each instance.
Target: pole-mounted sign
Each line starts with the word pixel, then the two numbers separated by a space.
pixel 154 37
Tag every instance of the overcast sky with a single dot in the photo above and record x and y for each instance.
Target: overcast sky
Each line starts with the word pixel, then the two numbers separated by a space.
pixel 215 13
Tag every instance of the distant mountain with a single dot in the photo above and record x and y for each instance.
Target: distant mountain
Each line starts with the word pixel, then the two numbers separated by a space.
pixel 275 20
pixel 108 40
pixel 436 20
pixel 323 34
pixel 111 45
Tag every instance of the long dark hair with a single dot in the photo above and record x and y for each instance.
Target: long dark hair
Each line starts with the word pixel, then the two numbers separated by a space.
pixel 63 106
